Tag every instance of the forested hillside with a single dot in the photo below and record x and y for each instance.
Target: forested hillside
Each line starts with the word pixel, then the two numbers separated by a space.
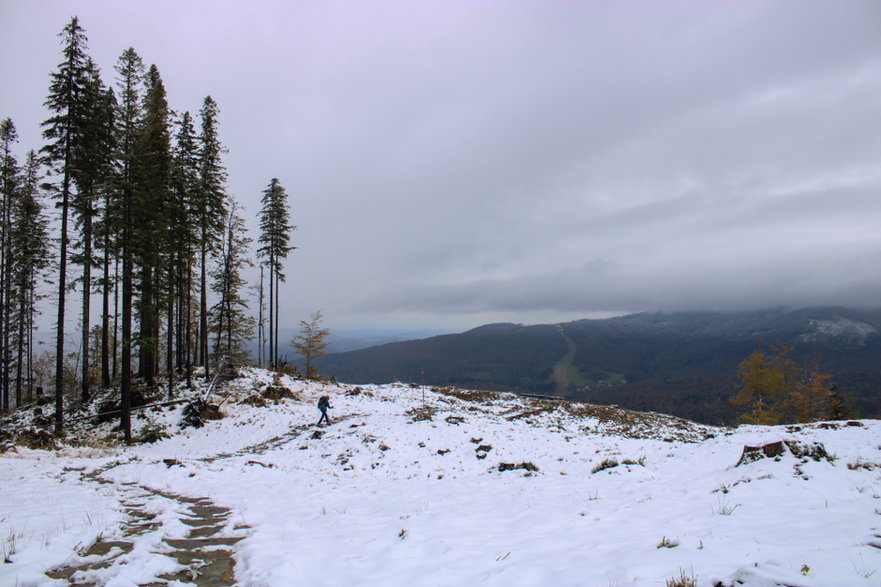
pixel 678 363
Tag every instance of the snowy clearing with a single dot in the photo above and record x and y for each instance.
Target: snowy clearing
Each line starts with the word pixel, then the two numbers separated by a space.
pixel 465 488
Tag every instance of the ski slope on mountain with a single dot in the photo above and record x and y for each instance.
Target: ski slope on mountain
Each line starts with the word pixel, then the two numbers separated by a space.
pixel 449 487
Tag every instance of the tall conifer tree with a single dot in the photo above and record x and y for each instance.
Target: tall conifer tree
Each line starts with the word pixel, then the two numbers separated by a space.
pixel 152 189
pixel 130 71
pixel 275 234
pixel 229 319
pixel 91 174
pixel 64 130
pixel 176 242
pixel 186 186
pixel 30 251
pixel 107 235
pixel 9 187
pixel 211 211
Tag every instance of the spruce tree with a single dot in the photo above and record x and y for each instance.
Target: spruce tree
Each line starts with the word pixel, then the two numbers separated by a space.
pixel 31 253
pixel 176 243
pixel 229 319
pixel 210 213
pixel 106 234
pixel 9 188
pixel 64 130
pixel 186 188
pixel 130 71
pixel 152 188
pixel 275 233
pixel 91 174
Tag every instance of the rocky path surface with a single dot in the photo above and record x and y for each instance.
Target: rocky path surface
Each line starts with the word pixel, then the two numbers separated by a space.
pixel 203 557
pixel 296 432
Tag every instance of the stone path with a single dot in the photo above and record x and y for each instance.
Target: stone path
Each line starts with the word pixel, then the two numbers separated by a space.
pixel 279 441
pixel 205 552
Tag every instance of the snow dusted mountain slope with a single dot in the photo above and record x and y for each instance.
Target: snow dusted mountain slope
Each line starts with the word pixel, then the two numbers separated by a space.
pixel 463 488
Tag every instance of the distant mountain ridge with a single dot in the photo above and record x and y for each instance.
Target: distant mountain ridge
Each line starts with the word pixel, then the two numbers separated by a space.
pixel 683 363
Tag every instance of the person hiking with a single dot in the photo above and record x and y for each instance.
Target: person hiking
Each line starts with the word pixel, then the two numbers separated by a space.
pixel 324 405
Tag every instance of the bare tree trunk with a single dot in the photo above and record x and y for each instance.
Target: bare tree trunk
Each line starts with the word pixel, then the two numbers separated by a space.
pixel 203 311
pixel 105 309
pixel 260 320
pixel 115 350
pixel 273 359
pixel 170 335
pixel 276 313
pixel 126 384
pixel 62 291
pixel 188 350
pixel 87 304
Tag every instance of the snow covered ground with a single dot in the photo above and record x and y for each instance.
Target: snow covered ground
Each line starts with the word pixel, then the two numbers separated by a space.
pixel 398 491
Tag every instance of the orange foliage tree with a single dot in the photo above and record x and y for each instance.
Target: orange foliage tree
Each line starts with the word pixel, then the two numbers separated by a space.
pixel 772 391
pixel 766 380
pixel 811 400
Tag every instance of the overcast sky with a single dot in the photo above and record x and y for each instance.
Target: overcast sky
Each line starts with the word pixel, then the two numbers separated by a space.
pixel 456 163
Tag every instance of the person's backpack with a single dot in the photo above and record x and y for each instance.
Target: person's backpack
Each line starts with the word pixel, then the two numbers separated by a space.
pixel 323 403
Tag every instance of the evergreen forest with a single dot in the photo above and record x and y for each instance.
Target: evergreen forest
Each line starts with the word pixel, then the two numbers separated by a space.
pixel 122 215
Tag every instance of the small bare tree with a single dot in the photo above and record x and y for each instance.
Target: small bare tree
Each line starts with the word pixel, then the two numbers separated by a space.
pixel 311 341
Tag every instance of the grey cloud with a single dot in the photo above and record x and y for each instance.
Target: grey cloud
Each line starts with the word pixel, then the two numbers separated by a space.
pixel 453 161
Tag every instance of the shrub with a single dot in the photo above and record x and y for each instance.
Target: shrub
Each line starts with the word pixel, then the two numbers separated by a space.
pixel 151 433
pixel 526 466
pixel 682 580
pixel 422 413
pixel 35 438
pixel 667 543
pixel 861 464
pixel 606 464
pixel 286 369
pixel 277 393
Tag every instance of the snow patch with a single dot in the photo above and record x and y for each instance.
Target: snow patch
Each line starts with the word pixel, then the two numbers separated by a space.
pixel 844 328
